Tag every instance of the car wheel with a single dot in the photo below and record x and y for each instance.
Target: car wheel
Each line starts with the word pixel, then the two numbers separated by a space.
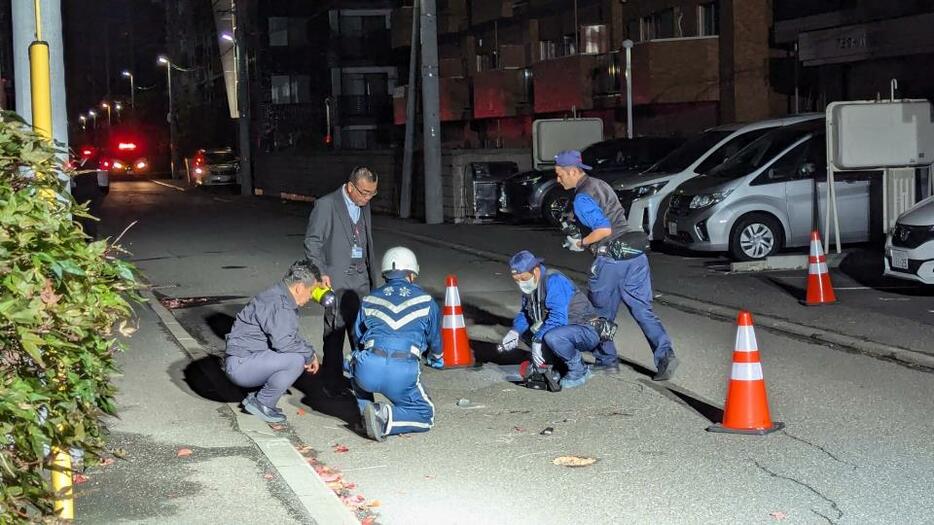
pixel 554 206
pixel 756 236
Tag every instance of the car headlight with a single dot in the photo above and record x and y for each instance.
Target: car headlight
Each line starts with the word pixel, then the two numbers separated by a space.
pixel 648 190
pixel 707 200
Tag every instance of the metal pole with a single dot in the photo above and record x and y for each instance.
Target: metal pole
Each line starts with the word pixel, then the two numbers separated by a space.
pixel 434 196
pixel 797 101
pixel 133 94
pixel 171 119
pixel 243 99
pixel 405 195
pixel 628 45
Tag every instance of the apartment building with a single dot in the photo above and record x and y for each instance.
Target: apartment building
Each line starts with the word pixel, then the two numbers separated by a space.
pixel 695 63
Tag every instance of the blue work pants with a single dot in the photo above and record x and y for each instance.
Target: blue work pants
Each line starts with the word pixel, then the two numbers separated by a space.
pixel 399 381
pixel 567 343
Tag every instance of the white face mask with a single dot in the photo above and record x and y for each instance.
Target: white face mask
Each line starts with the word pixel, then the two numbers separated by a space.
pixel 529 286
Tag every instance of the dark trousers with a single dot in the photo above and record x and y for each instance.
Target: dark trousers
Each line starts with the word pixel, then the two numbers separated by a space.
pixel 628 282
pixel 339 321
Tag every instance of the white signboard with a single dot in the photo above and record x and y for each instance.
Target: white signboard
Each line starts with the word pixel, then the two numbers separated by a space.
pixel 880 134
pixel 551 136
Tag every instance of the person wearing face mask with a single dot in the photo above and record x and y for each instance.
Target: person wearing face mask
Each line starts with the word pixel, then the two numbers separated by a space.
pixel 554 315
pixel 264 346
pixel 396 324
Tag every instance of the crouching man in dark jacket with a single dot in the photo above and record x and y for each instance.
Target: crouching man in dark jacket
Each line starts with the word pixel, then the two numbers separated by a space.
pixel 265 348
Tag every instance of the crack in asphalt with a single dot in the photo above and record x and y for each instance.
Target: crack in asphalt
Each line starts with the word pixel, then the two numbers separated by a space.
pixel 833 504
pixel 822 449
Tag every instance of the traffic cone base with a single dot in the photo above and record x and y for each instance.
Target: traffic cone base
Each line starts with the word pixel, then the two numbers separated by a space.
pixel 454 341
pixel 819 290
pixel 746 410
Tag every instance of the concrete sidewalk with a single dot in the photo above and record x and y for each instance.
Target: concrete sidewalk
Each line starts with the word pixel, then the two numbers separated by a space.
pixel 149 476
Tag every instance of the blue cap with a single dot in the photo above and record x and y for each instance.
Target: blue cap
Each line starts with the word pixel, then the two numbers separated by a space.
pixel 569 158
pixel 524 261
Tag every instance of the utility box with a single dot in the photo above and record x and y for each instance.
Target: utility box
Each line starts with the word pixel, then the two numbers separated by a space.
pixel 551 136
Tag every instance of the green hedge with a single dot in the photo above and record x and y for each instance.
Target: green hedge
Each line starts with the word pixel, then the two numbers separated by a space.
pixel 62 298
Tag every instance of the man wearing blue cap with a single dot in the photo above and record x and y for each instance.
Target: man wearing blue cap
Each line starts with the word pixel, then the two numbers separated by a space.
pixel 620 272
pixel 558 315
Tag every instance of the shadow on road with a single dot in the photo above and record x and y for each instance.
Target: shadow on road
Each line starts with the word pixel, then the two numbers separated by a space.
pixel 220 323
pixel 207 379
pixel 866 267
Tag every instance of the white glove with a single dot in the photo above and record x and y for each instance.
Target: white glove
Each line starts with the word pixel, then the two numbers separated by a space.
pixel 537 356
pixel 573 243
pixel 510 341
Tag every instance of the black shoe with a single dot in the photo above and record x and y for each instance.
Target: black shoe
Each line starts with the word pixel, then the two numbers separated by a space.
pixel 666 368
pixel 374 421
pixel 608 368
pixel 269 415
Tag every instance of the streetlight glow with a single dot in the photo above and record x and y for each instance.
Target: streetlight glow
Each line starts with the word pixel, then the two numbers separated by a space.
pixel 92 113
pixel 227 36
pixel 164 61
pixel 126 73
pixel 118 106
pixel 105 105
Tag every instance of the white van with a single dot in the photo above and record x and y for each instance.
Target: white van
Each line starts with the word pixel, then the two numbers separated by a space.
pixel 643 196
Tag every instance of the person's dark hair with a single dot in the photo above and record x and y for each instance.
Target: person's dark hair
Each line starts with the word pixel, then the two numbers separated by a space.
pixel 361 172
pixel 302 271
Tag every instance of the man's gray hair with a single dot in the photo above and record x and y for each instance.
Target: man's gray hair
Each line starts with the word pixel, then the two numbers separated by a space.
pixel 303 271
pixel 361 172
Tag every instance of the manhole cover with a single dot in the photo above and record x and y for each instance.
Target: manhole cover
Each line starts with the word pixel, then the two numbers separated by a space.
pixel 574 461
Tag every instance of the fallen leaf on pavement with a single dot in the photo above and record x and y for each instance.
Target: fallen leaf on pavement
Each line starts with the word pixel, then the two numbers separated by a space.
pixel 120 453
pixel 125 329
pixel 300 412
pixel 429 476
pixel 336 485
pixel 269 476
pixel 778 515
pixel 330 477
pixel 105 462
pixel 277 427
pixel 518 429
pixel 374 504
pixel 369 520
pixel 304 449
pixel 183 452
pixel 350 485
pixel 340 449
pixel 78 479
pixel 573 461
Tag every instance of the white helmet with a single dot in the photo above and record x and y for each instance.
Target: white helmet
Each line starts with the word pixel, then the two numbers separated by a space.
pixel 399 258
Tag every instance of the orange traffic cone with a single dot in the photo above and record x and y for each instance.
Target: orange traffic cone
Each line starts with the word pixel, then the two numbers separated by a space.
pixel 454 340
pixel 747 409
pixel 820 291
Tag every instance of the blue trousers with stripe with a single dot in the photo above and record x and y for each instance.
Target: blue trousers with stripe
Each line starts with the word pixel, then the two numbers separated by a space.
pixel 399 381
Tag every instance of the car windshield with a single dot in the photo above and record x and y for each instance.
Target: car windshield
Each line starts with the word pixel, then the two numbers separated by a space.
pixel 688 153
pixel 219 157
pixel 627 153
pixel 758 153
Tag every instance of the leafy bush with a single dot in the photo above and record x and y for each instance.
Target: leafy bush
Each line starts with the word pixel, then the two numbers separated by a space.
pixel 61 297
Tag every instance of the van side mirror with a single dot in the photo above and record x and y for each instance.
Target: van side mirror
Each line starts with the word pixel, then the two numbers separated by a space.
pixel 807 169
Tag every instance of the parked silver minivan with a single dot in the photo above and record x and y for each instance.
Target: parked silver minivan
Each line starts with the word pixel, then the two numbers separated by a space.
pixel 762 199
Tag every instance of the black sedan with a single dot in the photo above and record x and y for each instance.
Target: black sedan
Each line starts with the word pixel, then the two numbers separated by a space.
pixel 537 195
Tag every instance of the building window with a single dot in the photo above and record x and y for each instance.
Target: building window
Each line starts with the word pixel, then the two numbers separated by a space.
pixel 288 31
pixel 708 19
pixel 291 89
pixel 660 24
pixel 632 30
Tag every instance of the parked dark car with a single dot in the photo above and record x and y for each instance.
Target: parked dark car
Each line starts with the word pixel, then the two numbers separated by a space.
pixel 537 195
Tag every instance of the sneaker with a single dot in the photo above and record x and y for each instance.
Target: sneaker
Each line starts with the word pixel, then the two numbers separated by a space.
pixel 269 415
pixel 666 367
pixel 374 420
pixel 567 382
pixel 608 368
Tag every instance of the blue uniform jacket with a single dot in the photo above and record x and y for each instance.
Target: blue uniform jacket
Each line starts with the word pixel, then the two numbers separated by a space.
pixel 268 322
pixel 399 317
pixel 560 291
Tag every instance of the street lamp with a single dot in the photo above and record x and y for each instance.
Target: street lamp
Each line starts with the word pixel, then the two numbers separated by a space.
pixel 84 122
pixel 169 117
pixel 228 37
pixel 93 115
pixel 107 107
pixel 118 106
pixel 126 73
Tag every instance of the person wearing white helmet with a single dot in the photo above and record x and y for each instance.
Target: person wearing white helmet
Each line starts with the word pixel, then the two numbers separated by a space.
pixel 397 323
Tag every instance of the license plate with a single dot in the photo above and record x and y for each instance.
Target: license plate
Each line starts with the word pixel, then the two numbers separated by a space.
pixel 899 259
pixel 673 229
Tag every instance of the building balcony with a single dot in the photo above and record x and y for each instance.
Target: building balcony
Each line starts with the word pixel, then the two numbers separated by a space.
pixel 365 107
pixel 501 93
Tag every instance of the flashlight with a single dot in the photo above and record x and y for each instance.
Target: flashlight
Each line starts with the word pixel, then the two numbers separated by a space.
pixel 324 296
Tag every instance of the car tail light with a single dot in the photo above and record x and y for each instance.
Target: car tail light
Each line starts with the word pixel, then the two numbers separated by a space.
pixel 126 146
pixel 140 165
pixel 199 171
pixel 118 165
pixel 86 152
pixel 105 164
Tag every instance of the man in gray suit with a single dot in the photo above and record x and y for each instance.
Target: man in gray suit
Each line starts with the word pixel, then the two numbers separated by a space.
pixel 339 241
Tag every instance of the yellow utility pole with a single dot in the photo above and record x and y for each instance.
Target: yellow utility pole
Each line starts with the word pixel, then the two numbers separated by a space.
pixel 41 91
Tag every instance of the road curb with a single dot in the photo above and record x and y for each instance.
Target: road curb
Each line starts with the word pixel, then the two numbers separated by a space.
pixel 835 340
pixel 168 185
pixel 316 498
